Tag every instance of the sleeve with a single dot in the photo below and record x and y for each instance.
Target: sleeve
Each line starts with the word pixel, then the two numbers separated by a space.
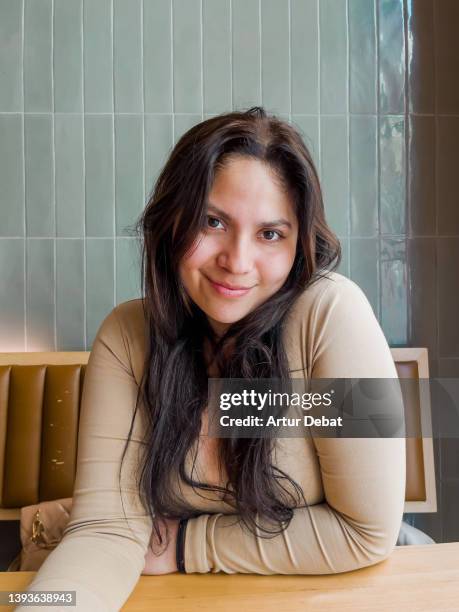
pixel 101 555
pixel 363 479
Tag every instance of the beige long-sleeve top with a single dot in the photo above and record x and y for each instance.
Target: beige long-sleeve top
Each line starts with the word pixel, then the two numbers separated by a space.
pixel 354 487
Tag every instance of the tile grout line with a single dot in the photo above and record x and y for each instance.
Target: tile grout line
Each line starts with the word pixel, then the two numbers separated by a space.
pixel 231 53
pixel 84 179
pixel 201 33
pixel 436 199
pixel 357 237
pixel 260 62
pixel 437 246
pixel 348 125
pixel 290 59
pixel 407 216
pixel 378 162
pixel 112 14
pixel 382 114
pixel 144 188
pixel 54 176
pixel 172 70
pixel 24 181
pixel 319 97
pixel 143 100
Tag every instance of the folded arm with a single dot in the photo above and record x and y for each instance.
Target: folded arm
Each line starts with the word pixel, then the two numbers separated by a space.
pixel 101 555
pixel 363 479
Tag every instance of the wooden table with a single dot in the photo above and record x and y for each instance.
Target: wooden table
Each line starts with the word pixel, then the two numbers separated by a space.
pixel 413 579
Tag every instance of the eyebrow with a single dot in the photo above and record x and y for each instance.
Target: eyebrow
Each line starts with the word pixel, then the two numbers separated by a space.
pixel 226 217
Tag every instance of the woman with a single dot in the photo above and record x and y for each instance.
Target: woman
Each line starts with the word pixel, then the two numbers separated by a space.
pixel 237 283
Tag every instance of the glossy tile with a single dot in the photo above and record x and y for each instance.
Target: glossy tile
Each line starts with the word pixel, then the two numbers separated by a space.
pixel 309 130
pixel 127 55
pixel 391 57
pixel 157 56
pixel 448 368
pixel 362 56
pixel 364 268
pixel 433 366
pixel 127 269
pixel 187 56
pixel 38 66
pixel 39 174
pixel 364 170
pixel 448 296
pixel 446 184
pixel 216 55
pixel 182 123
pixel 275 60
pixel 11 176
pixel 70 315
pixel 392 175
pixel 158 53
pixel 450 456
pixel 344 265
pixel 334 172
pixel 450 505
pixel 333 57
pixel 421 56
pixel 100 279
pixel 129 181
pixel 68 56
pixel 12 321
pixel 246 58
pixel 431 523
pixel 421 176
pixel 98 56
pixel 440 411
pixel 11 56
pixel 100 177
pixel 422 275
pixel 394 298
pixel 305 56
pixel 69 156
pixel 446 18
pixel 284 116
pixel 158 145
pixel 445 413
pixel 40 294
pixel 438 462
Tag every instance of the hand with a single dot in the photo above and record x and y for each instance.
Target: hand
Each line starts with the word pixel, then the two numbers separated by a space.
pixel 166 562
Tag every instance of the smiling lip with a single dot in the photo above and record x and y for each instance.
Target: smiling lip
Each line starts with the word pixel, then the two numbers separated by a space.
pixel 229 291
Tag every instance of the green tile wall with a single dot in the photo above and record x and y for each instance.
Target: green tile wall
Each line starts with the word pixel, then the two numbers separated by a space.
pixel 95 92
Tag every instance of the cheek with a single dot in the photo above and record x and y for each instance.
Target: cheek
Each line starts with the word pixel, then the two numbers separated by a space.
pixel 196 257
pixel 277 267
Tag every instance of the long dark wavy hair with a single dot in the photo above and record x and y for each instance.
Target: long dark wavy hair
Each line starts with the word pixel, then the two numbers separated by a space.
pixel 174 385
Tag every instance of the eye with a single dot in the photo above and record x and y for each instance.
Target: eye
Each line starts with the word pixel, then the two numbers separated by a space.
pixel 273 234
pixel 210 222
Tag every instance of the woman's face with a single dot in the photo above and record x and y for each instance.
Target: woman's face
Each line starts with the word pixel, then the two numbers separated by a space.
pixel 249 241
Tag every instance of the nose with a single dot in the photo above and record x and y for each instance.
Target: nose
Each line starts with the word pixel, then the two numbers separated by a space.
pixel 236 256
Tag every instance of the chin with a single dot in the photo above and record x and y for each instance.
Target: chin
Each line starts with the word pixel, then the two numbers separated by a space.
pixel 225 319
pixel 224 316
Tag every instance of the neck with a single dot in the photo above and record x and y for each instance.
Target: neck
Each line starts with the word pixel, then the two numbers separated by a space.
pixel 210 356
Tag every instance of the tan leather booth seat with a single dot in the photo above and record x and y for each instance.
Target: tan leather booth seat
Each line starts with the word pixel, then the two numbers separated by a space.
pixel 40 396
pixel 39 410
pixel 39 413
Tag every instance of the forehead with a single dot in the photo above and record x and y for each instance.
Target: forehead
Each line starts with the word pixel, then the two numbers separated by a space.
pixel 249 187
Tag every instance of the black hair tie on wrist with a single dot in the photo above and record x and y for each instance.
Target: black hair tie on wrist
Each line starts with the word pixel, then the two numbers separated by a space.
pixel 180 548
